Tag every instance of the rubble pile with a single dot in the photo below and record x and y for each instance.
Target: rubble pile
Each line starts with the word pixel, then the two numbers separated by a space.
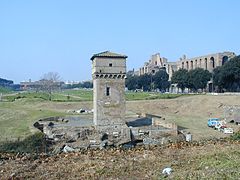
pixel 185 159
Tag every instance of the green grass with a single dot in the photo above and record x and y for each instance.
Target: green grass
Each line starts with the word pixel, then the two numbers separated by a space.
pixel 130 96
pixel 86 95
pixel 19 111
pixel 33 143
pixel 217 165
pixel 77 95
pixel 236 136
pixel 29 95
pixel 17 118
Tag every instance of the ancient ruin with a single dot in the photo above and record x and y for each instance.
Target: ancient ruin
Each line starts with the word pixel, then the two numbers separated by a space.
pixel 155 64
pixel 110 125
pixel 207 62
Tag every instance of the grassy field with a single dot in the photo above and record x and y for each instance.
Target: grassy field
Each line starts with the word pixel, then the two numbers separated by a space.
pixel 4 90
pixel 203 161
pixel 85 95
pixel 19 111
pixel 17 118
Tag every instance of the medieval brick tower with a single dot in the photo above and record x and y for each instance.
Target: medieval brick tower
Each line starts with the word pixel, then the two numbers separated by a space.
pixel 109 73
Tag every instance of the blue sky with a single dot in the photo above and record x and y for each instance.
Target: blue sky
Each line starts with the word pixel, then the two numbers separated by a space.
pixel 40 36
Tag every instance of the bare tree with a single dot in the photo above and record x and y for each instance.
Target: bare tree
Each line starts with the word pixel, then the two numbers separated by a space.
pixel 50 82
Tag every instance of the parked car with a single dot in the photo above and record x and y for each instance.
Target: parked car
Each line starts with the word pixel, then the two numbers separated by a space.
pixel 228 131
pixel 221 129
pixel 212 122
pixel 217 126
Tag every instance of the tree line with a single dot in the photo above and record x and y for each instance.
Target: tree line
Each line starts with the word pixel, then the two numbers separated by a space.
pixel 148 82
pixel 194 80
pixel 227 77
pixel 224 78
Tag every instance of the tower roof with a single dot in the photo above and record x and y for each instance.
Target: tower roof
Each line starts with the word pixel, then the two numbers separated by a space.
pixel 108 54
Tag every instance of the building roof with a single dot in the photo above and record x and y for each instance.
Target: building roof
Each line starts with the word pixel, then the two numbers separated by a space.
pixel 108 54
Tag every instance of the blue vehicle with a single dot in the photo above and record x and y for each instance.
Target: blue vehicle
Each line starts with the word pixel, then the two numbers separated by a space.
pixel 212 122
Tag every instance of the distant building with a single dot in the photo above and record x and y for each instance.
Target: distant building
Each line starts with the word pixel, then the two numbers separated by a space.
pixel 72 82
pixel 156 63
pixel 37 85
pixel 29 85
pixel 207 62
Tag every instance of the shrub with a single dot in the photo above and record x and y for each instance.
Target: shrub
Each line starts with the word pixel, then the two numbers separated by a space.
pixel 34 143
pixel 235 136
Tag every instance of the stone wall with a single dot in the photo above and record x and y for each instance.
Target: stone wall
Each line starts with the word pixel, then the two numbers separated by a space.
pixel 155 64
pixel 109 75
pixel 207 62
pixel 109 109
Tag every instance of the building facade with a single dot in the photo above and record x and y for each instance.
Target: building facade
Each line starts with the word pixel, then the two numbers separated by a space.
pixel 207 62
pixel 156 63
pixel 109 73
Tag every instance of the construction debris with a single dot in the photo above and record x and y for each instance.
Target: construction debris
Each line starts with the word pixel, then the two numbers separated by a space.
pixel 167 171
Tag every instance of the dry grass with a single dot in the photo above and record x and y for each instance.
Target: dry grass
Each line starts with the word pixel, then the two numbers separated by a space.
pixel 190 112
pixel 201 161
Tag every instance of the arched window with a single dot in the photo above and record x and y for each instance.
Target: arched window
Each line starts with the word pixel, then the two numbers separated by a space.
pixel 187 65
pixel 224 60
pixel 206 64
pixel 191 64
pixel 212 62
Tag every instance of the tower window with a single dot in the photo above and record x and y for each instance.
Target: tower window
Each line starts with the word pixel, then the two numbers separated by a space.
pixel 108 91
pixel 110 64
